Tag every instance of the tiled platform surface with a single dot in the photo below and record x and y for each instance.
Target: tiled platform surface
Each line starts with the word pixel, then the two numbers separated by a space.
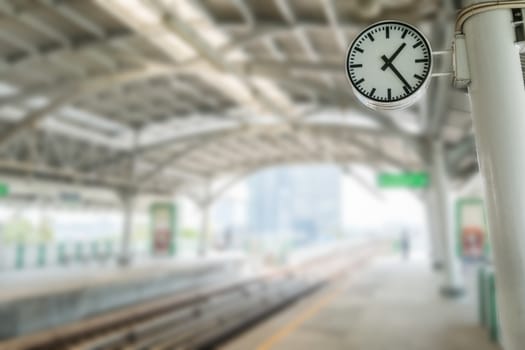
pixel 16 285
pixel 390 305
pixel 38 300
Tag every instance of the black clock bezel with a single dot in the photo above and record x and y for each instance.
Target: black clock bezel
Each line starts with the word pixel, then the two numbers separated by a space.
pixel 401 23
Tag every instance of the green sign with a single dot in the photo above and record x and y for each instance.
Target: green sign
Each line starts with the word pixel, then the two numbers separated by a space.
pixel 4 189
pixel 403 180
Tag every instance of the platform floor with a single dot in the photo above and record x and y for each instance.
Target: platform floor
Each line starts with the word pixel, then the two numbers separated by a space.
pixel 15 285
pixel 388 305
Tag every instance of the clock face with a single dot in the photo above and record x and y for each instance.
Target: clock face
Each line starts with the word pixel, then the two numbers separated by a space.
pixel 389 65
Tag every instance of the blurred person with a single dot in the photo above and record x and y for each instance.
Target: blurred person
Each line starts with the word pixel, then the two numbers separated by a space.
pixel 404 243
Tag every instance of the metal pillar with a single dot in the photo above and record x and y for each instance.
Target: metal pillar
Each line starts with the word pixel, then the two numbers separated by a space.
pixel 127 199
pixel 2 248
pixel 453 284
pixel 436 244
pixel 435 227
pixel 205 207
pixel 497 97
pixel 205 228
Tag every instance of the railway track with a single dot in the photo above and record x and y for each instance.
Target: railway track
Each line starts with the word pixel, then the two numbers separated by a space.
pixel 199 319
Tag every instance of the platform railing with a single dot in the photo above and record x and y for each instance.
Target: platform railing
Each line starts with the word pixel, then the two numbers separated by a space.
pixel 24 256
pixel 487 302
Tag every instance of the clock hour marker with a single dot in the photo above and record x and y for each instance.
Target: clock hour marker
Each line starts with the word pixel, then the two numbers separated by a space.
pixel 407 89
pixel 405 32
pixel 358 49
pixel 418 44
pixel 359 81
pixel 417 76
pixel 420 60
pixel 389 91
pixel 388 32
pixel 372 92
pixel 356 65
pixel 371 37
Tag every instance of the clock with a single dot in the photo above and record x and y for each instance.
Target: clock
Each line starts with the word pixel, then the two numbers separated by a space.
pixel 389 65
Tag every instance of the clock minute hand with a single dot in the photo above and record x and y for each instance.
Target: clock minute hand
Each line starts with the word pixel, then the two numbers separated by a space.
pixel 396 72
pixel 393 57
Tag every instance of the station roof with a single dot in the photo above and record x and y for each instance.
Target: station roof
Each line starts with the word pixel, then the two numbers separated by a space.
pixel 158 95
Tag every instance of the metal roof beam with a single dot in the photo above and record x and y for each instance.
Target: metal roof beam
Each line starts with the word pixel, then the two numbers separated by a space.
pixel 175 26
pixel 74 92
pixel 333 19
pixel 197 146
pixel 72 14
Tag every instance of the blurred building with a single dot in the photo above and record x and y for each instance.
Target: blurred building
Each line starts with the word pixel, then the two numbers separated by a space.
pixel 305 200
pixel 230 212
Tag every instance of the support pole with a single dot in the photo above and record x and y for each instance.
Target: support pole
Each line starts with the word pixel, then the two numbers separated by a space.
pixel 453 283
pixel 497 97
pixel 2 250
pixel 205 206
pixel 436 244
pixel 205 229
pixel 127 199
pixel 436 238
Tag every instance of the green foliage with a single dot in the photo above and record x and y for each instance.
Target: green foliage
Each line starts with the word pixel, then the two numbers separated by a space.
pixel 188 233
pixel 45 231
pixel 18 229
pixel 141 232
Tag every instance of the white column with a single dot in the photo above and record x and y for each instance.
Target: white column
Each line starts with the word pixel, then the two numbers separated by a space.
pixel 436 244
pixel 205 207
pixel 205 228
pixel 497 97
pixel 2 250
pixel 127 199
pixel 453 280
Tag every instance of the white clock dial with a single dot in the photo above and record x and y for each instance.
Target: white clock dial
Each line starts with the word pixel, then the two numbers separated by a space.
pixel 389 65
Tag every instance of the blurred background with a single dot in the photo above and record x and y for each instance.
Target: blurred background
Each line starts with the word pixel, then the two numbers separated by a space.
pixel 198 174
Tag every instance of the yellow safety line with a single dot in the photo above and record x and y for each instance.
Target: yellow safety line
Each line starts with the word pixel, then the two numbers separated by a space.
pixel 308 314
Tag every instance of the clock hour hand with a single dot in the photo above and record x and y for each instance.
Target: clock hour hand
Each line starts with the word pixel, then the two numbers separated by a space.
pixel 389 61
pixel 396 72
